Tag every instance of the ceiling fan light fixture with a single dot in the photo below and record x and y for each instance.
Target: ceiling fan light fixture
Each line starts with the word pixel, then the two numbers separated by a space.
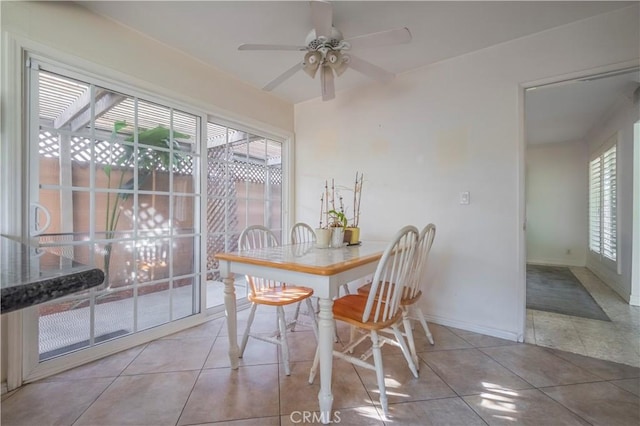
pixel 337 61
pixel 328 51
pixel 311 63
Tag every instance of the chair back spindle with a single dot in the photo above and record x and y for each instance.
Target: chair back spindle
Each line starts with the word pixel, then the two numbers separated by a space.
pixel 391 276
pixel 423 248
pixel 302 233
pixel 257 237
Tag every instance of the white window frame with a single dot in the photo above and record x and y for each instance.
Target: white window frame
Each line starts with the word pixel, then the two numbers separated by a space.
pixel 603 216
pixel 21 368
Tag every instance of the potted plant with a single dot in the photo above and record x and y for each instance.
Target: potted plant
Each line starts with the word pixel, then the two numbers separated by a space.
pixel 352 232
pixel 338 223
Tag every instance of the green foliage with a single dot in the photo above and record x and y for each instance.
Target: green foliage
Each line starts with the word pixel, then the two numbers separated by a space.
pixel 338 219
pixel 148 160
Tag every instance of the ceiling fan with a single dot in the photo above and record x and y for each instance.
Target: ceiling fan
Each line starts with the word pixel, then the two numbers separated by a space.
pixel 328 52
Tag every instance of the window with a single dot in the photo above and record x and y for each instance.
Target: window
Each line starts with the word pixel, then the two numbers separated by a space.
pixel 602 203
pixel 244 187
pixel 118 177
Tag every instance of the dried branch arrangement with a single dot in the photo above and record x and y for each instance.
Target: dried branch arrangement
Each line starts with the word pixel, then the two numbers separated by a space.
pixel 357 196
pixel 330 216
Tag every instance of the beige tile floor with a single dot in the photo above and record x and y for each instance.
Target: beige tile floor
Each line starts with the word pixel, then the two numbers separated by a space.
pixel 618 340
pixel 465 379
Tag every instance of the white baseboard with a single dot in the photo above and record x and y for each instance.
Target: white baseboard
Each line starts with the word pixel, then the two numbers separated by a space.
pixel 468 326
pixel 634 300
pixel 4 387
pixel 544 262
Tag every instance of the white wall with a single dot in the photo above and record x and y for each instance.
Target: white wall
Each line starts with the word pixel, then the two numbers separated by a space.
pixel 557 202
pixel 451 127
pixel 71 29
pixel 621 120
pixel 71 34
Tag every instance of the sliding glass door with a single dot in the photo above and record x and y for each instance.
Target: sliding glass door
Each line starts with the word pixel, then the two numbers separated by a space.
pixel 114 182
pixel 244 187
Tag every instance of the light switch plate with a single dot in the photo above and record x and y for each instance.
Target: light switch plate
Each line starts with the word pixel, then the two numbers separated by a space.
pixel 465 197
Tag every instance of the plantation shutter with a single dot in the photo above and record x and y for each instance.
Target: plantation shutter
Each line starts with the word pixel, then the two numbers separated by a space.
pixel 603 228
pixel 595 194
pixel 609 210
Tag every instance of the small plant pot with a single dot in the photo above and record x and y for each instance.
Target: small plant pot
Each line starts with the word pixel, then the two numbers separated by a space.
pixel 337 237
pixel 323 238
pixel 352 235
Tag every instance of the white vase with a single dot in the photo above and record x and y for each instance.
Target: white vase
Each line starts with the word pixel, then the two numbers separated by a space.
pixel 323 238
pixel 337 237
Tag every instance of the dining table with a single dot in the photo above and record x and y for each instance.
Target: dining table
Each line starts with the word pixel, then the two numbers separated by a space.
pixel 324 270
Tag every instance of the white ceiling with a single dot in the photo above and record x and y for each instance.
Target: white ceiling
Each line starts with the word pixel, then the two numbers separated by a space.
pixel 565 112
pixel 211 31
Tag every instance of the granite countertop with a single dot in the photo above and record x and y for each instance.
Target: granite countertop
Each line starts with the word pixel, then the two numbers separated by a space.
pixel 29 276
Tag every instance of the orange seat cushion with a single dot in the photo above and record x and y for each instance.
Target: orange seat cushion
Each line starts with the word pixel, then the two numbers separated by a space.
pixel 350 309
pixel 281 295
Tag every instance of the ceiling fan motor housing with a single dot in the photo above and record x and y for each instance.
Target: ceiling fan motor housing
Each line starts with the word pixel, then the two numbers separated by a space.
pixel 334 42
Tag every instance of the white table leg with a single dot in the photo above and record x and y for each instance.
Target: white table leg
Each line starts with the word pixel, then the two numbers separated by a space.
pixel 325 346
pixel 232 319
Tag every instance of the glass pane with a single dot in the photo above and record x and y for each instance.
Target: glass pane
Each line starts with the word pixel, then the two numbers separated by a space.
pixel 113 215
pixel 153 259
pixel 216 208
pixel 116 259
pixel 114 314
pixel 154 124
pixel 255 212
pixel 63 327
pixel 185 127
pixel 217 183
pixel 183 297
pixel 50 200
pixel 239 219
pixel 184 176
pixel 184 252
pixel 153 305
pixel 153 169
pixel 153 214
pixel 115 168
pixel 183 214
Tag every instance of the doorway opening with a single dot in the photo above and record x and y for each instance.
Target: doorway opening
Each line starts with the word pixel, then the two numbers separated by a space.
pixel 579 137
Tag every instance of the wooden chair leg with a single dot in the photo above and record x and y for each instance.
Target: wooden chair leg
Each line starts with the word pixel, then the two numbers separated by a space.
pixel 247 330
pixel 377 361
pixel 283 340
pixel 405 350
pixel 295 316
pixel 406 322
pixel 420 316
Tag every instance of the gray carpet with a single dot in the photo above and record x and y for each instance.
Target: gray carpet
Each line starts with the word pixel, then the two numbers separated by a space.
pixel 556 289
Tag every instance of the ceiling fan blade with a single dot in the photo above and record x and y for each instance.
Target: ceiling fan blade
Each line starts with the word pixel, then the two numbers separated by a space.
pixel 321 17
pixel 382 38
pixel 326 81
pixel 282 77
pixel 271 47
pixel 368 69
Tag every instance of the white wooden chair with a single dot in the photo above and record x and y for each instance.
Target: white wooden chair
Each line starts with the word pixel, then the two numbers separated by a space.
pixel 379 310
pixel 272 293
pixel 302 233
pixel 412 291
